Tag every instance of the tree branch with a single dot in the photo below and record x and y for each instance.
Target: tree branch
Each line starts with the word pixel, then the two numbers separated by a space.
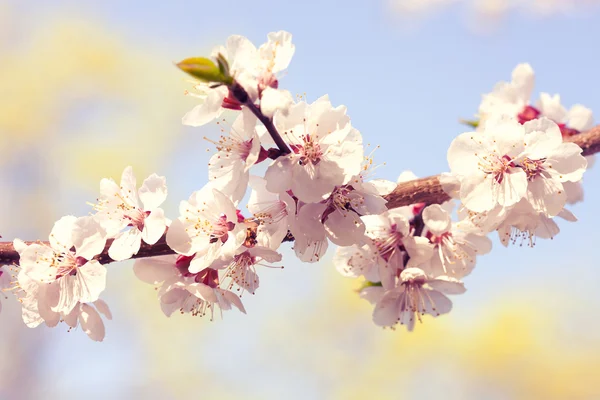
pixel 425 190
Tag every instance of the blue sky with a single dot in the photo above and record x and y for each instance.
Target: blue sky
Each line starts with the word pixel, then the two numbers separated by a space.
pixel 405 87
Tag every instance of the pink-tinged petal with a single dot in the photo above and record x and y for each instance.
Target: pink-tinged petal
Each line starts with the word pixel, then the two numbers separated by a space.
pixel 89 238
pixel 436 219
pixel 61 236
pixel 154 226
pixel 580 118
pixel 523 78
pixel 547 196
pixel 273 100
pixel 542 137
pixel 310 250
pixel 447 285
pixel 504 233
pixel 31 317
pixel 550 107
pixel 225 205
pixel 419 249
pixel 20 246
pixel 344 147
pixel 178 239
pixel 372 294
pixel 108 188
pixel 266 254
pixel 153 192
pixel 228 175
pixel 36 262
pixel 69 294
pixel 436 303
pixel 47 298
pixel 387 273
pixel 90 281
pixel 203 292
pixel 312 184
pixel 279 175
pixel 477 193
pixel 241 53
pixel 547 228
pixel 567 215
pixel 235 300
pixel 567 162
pixel 71 318
pixel 206 112
pixel 512 189
pixel 103 309
pixel 506 134
pixel 462 153
pixel 387 311
pixel 155 270
pixel 344 228
pixel 91 323
pixel 129 191
pixel 125 245
pixel 173 300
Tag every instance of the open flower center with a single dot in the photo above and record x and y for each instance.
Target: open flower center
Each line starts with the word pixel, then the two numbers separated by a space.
pixel 309 151
pixel 496 166
pixel 533 168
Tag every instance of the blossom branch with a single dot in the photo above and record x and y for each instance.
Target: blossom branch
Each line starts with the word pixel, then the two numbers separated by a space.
pixel 242 96
pixel 425 190
pixel 429 190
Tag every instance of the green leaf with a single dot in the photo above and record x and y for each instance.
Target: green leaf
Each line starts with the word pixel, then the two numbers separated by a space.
pixel 473 123
pixel 204 69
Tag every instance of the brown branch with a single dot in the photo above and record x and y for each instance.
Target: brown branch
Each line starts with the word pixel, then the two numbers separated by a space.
pixel 425 190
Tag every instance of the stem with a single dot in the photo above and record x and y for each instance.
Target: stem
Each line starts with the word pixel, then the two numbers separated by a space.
pixel 242 96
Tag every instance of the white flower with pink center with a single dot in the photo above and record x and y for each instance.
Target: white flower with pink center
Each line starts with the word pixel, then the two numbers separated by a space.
pixel 196 293
pixel 415 296
pixel 131 215
pixel 326 151
pixel 523 224
pixel 548 162
pixel 456 245
pixel 391 239
pixel 228 168
pixel 347 204
pixel 75 276
pixel 484 163
pixel 512 99
pixel 208 227
pixel 354 261
pixel 270 213
pixel 241 270
pixel 38 298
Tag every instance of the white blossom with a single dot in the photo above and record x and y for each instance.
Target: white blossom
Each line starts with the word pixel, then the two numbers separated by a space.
pixel 326 151
pixel 237 152
pixel 131 215
pixel 75 276
pixel 207 228
pixel 181 290
pixel 415 295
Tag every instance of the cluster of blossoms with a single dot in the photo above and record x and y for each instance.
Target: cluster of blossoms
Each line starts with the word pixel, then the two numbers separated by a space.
pixel 512 175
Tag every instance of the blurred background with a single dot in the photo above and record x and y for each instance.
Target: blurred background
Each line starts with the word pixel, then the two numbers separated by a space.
pixel 87 88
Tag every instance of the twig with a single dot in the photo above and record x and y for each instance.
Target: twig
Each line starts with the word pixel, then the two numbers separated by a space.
pixel 242 96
